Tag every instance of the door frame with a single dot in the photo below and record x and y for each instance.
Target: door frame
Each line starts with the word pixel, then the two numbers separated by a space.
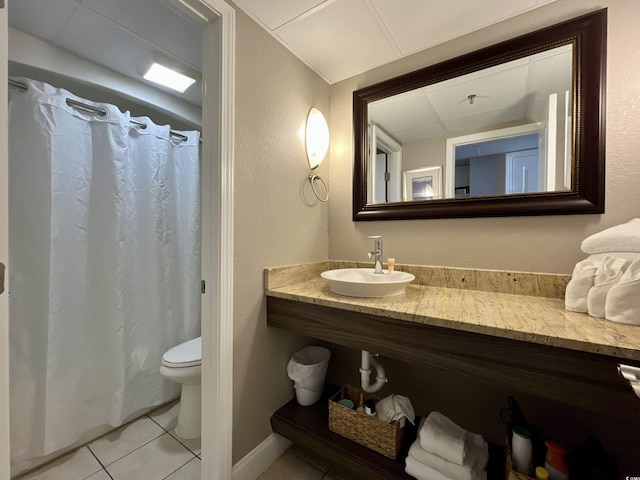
pixel 4 245
pixel 218 122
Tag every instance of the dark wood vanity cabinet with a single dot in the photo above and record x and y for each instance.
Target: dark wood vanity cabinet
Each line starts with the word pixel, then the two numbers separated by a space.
pixel 586 380
pixel 589 381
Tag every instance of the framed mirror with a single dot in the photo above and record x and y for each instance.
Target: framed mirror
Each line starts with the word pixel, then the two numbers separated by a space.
pixel 517 128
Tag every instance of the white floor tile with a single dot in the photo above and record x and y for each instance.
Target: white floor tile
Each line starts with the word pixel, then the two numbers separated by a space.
pixel 190 471
pixel 73 466
pixel 309 457
pixel 192 444
pixel 167 415
pixel 120 442
pixel 155 460
pixel 101 475
pixel 291 467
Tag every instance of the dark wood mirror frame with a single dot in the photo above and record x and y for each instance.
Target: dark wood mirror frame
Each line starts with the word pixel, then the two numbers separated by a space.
pixel 588 36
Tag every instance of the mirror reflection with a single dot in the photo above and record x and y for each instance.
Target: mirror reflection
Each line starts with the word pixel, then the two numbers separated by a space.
pixel 501 130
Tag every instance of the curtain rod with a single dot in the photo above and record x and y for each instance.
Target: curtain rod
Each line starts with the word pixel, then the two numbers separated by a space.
pixel 100 111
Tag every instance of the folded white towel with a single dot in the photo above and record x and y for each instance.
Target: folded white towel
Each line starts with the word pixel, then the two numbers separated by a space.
pixel 469 471
pixel 440 435
pixel 621 238
pixel 623 301
pixel 395 407
pixel 607 275
pixel 421 471
pixel 575 297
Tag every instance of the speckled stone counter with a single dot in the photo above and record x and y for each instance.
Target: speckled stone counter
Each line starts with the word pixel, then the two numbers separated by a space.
pixel 514 305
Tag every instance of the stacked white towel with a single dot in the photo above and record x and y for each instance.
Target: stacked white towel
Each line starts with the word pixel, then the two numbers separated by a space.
pixel 445 451
pixel 600 284
pixel 607 275
pixel 621 238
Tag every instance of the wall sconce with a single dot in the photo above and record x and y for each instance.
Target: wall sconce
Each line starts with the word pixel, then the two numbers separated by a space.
pixel 317 141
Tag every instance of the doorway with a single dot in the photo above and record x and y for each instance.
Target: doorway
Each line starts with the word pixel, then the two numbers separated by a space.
pixel 217 128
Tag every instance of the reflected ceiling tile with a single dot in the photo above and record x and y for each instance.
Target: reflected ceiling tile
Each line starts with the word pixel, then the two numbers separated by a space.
pixel 490 92
pixel 416 24
pixel 276 13
pixel 421 132
pixel 339 40
pixel 490 120
pixel 49 20
pixel 554 74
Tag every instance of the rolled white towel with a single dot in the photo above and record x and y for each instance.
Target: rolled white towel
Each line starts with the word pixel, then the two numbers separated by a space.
pixel 623 301
pixel 440 435
pixel 575 297
pixel 607 275
pixel 452 470
pixel 621 238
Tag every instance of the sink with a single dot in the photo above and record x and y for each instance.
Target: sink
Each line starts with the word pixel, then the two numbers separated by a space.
pixel 362 282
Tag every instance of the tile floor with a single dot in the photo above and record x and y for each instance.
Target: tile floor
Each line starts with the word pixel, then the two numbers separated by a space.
pixel 145 449
pixel 149 449
pixel 298 464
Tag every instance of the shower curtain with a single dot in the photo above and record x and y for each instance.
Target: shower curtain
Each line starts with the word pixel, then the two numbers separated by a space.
pixel 104 226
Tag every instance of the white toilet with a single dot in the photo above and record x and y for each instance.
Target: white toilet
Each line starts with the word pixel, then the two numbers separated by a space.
pixel 182 364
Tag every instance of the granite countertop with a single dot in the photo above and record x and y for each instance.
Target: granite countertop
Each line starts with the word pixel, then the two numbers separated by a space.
pixel 516 305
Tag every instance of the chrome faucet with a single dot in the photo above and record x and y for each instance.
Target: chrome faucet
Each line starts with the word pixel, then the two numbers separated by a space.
pixel 376 254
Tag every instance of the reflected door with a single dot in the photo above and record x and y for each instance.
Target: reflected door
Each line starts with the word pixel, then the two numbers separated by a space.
pixel 522 174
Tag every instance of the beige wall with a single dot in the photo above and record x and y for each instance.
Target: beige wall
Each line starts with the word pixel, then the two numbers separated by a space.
pixel 275 221
pixel 541 243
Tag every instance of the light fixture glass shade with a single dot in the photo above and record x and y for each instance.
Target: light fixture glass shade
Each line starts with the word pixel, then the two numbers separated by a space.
pixel 317 138
pixel 168 73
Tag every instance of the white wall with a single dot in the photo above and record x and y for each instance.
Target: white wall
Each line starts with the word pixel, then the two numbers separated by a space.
pixel 275 223
pixel 540 243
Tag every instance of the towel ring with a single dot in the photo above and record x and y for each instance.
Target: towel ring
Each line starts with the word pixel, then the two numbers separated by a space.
pixel 313 178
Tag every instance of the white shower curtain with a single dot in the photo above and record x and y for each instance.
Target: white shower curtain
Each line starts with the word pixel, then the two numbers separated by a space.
pixel 104 228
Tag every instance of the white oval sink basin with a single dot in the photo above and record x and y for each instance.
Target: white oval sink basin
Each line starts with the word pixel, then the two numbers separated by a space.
pixel 362 282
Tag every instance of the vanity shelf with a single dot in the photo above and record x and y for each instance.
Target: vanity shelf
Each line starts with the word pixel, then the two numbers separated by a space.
pixel 308 427
pixel 581 379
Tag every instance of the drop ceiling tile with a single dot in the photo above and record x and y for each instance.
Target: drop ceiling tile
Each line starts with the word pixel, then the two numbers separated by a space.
pixel 339 40
pixel 276 13
pixel 42 18
pixel 156 23
pixel 95 38
pixel 418 24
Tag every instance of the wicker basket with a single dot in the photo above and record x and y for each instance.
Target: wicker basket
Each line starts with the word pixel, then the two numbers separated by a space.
pixel 383 437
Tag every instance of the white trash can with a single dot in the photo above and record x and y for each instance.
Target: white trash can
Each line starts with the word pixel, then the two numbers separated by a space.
pixel 307 368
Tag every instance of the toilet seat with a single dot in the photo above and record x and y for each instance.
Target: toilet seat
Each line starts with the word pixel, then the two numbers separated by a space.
pixel 187 354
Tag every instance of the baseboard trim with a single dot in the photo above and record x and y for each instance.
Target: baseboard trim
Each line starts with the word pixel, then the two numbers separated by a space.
pixel 260 458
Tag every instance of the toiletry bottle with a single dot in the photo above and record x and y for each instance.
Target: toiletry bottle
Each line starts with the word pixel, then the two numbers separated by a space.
pixel 541 473
pixel 370 407
pixel 391 264
pixel 521 450
pixel 360 408
pixel 554 461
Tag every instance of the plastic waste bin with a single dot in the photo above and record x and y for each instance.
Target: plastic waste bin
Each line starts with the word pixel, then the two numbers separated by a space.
pixel 307 368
